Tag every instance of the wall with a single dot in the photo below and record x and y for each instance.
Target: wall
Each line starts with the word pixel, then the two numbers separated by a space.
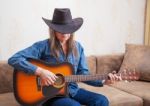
pixel 108 24
pixel 147 24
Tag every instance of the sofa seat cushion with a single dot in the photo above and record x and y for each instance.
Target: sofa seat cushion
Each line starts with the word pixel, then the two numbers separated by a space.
pixel 115 96
pixel 8 99
pixel 138 88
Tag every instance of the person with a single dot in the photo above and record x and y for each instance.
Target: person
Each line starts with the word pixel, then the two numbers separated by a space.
pixel 61 47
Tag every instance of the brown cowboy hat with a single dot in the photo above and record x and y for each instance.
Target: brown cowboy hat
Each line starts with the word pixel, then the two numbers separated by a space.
pixel 62 21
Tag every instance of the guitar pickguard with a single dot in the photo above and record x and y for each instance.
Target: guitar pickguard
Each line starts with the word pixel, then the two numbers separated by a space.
pixel 50 91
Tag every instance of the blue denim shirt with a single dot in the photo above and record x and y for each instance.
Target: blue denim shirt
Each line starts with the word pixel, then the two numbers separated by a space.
pixel 41 50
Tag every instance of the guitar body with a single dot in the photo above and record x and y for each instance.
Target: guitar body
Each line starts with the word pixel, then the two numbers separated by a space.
pixel 28 90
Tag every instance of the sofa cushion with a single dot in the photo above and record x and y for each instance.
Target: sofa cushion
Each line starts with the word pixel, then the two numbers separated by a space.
pixel 116 97
pixel 138 88
pixel 137 58
pixel 108 63
pixel 91 61
pixel 7 99
pixel 6 76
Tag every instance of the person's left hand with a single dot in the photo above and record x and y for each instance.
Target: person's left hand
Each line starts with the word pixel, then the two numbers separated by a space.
pixel 113 77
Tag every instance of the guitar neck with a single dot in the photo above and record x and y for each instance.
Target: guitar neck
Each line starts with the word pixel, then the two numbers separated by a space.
pixel 79 78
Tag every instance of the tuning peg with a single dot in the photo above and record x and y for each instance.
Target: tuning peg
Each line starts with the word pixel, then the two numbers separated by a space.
pixel 126 81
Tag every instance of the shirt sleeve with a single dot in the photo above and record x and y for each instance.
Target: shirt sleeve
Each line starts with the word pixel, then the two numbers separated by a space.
pixel 83 69
pixel 20 60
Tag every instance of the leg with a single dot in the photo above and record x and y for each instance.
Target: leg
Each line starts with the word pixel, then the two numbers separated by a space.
pixel 61 101
pixel 90 98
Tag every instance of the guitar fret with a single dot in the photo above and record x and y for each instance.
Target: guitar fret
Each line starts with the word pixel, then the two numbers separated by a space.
pixel 78 78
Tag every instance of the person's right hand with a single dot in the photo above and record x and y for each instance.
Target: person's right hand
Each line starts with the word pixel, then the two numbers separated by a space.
pixel 47 77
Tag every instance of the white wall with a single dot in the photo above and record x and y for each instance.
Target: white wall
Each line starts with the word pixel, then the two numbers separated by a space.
pixel 108 24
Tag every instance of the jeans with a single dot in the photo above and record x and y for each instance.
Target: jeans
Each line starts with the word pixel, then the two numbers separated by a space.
pixel 83 97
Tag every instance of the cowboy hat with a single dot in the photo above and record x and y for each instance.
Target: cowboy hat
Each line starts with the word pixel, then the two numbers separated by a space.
pixel 62 21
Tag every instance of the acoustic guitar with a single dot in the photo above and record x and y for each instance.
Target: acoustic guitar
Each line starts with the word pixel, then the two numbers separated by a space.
pixel 28 90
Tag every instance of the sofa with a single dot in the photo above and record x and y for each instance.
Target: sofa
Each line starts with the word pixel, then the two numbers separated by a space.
pixel 121 93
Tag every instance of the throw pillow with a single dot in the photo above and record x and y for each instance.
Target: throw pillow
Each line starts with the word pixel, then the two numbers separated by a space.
pixel 137 57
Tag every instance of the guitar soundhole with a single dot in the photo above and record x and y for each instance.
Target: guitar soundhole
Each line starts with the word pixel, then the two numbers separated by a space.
pixel 60 82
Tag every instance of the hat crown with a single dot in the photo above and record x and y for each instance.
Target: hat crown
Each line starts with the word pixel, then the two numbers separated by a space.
pixel 62 16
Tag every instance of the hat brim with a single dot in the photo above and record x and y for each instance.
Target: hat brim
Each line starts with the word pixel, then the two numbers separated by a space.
pixel 65 28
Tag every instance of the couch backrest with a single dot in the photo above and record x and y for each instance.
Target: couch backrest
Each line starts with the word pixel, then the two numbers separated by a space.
pixel 91 61
pixel 108 63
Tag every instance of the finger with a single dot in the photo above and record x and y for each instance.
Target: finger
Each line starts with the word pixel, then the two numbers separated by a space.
pixel 49 83
pixel 53 77
pixel 116 77
pixel 111 77
pixel 42 83
pixel 51 80
pixel 120 78
pixel 46 83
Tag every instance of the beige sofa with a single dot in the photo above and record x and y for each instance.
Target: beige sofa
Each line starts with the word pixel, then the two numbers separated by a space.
pixel 135 93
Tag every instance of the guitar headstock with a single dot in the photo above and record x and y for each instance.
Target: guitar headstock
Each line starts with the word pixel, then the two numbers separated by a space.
pixel 130 75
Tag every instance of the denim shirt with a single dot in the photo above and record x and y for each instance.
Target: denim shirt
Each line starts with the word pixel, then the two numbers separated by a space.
pixel 41 50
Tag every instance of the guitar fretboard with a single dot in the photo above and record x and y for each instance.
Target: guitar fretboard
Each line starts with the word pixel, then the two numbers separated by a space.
pixel 78 78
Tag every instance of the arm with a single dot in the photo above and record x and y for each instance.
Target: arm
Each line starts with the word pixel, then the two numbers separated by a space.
pixel 19 60
pixel 83 69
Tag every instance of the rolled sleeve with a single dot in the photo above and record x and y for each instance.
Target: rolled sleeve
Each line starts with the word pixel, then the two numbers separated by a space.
pixel 20 60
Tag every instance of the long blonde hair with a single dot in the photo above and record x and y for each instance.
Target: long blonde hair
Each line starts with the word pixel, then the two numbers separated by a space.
pixel 55 47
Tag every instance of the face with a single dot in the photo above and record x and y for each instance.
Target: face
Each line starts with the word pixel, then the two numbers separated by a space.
pixel 62 37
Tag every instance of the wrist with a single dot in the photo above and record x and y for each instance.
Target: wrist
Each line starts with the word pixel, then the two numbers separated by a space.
pixel 38 71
